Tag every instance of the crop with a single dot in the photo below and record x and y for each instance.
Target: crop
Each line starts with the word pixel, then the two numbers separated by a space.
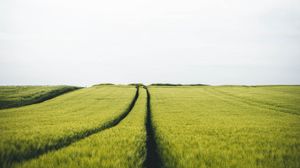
pixel 15 96
pixel 277 98
pixel 227 126
pixel 170 126
pixel 30 131
pixel 120 146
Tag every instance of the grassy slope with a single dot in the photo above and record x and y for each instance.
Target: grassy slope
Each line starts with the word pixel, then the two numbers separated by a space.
pixel 15 96
pixel 120 146
pixel 31 129
pixel 198 126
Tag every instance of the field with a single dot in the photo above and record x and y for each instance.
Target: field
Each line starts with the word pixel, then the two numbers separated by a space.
pixel 36 129
pixel 156 126
pixel 120 146
pixel 15 96
pixel 227 126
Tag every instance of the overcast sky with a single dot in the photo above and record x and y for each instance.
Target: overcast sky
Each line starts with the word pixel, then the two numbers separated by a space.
pixel 80 42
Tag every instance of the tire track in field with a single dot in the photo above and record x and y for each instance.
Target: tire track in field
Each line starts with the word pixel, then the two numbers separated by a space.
pixel 66 141
pixel 42 98
pixel 153 159
pixel 254 103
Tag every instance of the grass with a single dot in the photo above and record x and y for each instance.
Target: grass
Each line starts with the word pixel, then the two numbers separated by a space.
pixel 227 126
pixel 120 146
pixel 15 96
pixel 31 130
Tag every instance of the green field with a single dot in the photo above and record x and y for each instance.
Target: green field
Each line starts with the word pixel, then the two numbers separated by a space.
pixel 121 146
pixel 15 96
pixel 171 126
pixel 32 130
pixel 227 126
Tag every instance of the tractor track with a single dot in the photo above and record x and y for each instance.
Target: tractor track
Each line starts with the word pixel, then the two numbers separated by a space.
pixel 153 159
pixel 67 141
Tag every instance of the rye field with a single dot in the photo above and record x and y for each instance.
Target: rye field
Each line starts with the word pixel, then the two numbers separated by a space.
pixel 167 126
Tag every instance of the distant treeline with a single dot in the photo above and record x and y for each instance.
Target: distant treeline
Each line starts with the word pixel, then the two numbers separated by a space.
pixel 154 84
pixel 103 84
pixel 170 84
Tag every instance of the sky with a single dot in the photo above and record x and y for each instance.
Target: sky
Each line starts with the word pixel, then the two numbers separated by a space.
pixel 218 42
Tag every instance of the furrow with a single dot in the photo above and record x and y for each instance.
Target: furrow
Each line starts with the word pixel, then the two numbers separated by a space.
pixel 153 159
pixel 66 141
pixel 41 98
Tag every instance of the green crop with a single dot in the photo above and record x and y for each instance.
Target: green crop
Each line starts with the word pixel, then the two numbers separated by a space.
pixel 278 98
pixel 15 96
pixel 173 126
pixel 120 146
pixel 32 130
pixel 227 126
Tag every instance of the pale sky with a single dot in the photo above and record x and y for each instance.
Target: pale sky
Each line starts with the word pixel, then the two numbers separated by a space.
pixel 151 41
